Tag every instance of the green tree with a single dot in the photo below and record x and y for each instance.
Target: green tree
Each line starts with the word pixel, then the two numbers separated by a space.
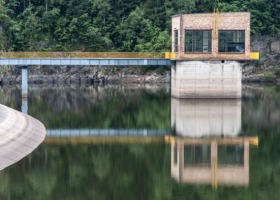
pixel 137 33
pixel 31 26
pixel 264 19
pixel 174 7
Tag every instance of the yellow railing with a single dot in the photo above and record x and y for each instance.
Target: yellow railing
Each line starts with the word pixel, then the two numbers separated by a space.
pixel 168 139
pixel 254 141
pixel 128 55
pixel 170 55
pixel 82 55
pixel 254 55
pixel 238 140
pixel 104 139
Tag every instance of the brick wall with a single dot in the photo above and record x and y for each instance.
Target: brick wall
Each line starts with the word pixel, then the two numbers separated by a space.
pixel 175 26
pixel 226 21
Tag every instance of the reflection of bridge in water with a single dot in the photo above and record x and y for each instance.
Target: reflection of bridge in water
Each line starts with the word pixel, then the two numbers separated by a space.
pixel 206 148
pixel 106 132
pixel 105 135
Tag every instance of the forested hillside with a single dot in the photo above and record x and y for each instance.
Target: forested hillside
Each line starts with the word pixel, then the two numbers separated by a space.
pixel 112 25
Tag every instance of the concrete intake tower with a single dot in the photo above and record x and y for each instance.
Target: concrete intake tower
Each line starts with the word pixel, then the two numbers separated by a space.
pixel 207 49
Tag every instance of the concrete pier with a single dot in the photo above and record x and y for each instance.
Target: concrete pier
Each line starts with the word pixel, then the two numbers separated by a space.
pixel 20 134
pixel 24 105
pixel 207 49
pixel 24 81
pixel 206 79
pixel 199 118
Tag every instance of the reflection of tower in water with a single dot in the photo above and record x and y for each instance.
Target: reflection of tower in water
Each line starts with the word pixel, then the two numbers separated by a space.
pixel 207 147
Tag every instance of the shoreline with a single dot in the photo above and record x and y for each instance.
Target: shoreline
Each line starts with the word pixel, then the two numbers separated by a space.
pixel 123 80
pixel 126 84
pixel 86 80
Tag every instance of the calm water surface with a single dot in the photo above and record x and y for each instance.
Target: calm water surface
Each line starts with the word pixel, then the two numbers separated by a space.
pixel 223 149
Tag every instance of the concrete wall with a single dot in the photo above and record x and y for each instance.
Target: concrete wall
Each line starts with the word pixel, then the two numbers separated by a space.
pixel 226 21
pixel 205 117
pixel 206 79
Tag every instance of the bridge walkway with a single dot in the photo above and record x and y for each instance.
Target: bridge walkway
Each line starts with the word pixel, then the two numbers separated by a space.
pixel 89 136
pixel 25 59
pixel 85 58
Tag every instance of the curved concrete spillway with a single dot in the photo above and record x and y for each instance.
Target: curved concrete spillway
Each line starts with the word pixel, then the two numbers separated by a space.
pixel 20 134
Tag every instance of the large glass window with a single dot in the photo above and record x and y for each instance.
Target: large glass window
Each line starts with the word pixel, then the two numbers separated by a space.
pixel 232 41
pixel 197 155
pixel 231 155
pixel 198 41
pixel 176 41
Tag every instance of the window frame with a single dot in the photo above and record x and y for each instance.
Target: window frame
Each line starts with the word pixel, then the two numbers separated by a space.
pixel 194 48
pixel 228 155
pixel 193 155
pixel 176 41
pixel 228 43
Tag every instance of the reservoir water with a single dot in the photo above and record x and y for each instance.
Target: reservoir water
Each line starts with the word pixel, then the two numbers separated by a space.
pixel 131 142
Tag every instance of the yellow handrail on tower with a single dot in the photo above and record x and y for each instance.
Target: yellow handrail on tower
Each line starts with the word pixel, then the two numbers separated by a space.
pixel 216 19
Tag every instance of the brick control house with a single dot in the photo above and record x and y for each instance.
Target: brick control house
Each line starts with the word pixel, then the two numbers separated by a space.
pixel 223 36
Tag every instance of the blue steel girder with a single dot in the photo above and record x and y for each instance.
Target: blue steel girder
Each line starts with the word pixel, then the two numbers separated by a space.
pixel 106 132
pixel 84 61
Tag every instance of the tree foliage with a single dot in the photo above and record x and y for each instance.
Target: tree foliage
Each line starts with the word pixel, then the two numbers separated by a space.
pixel 112 25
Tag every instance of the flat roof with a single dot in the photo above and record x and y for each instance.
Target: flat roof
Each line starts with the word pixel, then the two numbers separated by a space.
pixel 177 15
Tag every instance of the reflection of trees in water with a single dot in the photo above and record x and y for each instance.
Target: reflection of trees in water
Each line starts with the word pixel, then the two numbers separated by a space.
pixel 135 171
pixel 75 172
pixel 261 116
pixel 11 96
pixel 90 171
pixel 140 171
pixel 46 184
pixel 101 164
pixel 260 106
pixel 97 107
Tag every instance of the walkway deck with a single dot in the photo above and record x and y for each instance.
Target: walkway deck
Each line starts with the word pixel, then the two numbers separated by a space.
pixel 99 136
pixel 105 132
pixel 85 58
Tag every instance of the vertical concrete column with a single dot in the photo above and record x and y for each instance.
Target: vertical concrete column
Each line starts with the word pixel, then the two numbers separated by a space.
pixel 215 45
pixel 247 42
pixel 214 163
pixel 181 160
pixel 246 160
pixel 24 105
pixel 174 91
pixel 24 81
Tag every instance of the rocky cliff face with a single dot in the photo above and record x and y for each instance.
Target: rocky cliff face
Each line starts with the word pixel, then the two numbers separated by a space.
pixel 267 69
pixel 91 75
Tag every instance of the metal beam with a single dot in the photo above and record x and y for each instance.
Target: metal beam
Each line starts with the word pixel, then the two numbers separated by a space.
pixel 85 61
pixel 24 62
pixel 105 140
pixel 105 132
